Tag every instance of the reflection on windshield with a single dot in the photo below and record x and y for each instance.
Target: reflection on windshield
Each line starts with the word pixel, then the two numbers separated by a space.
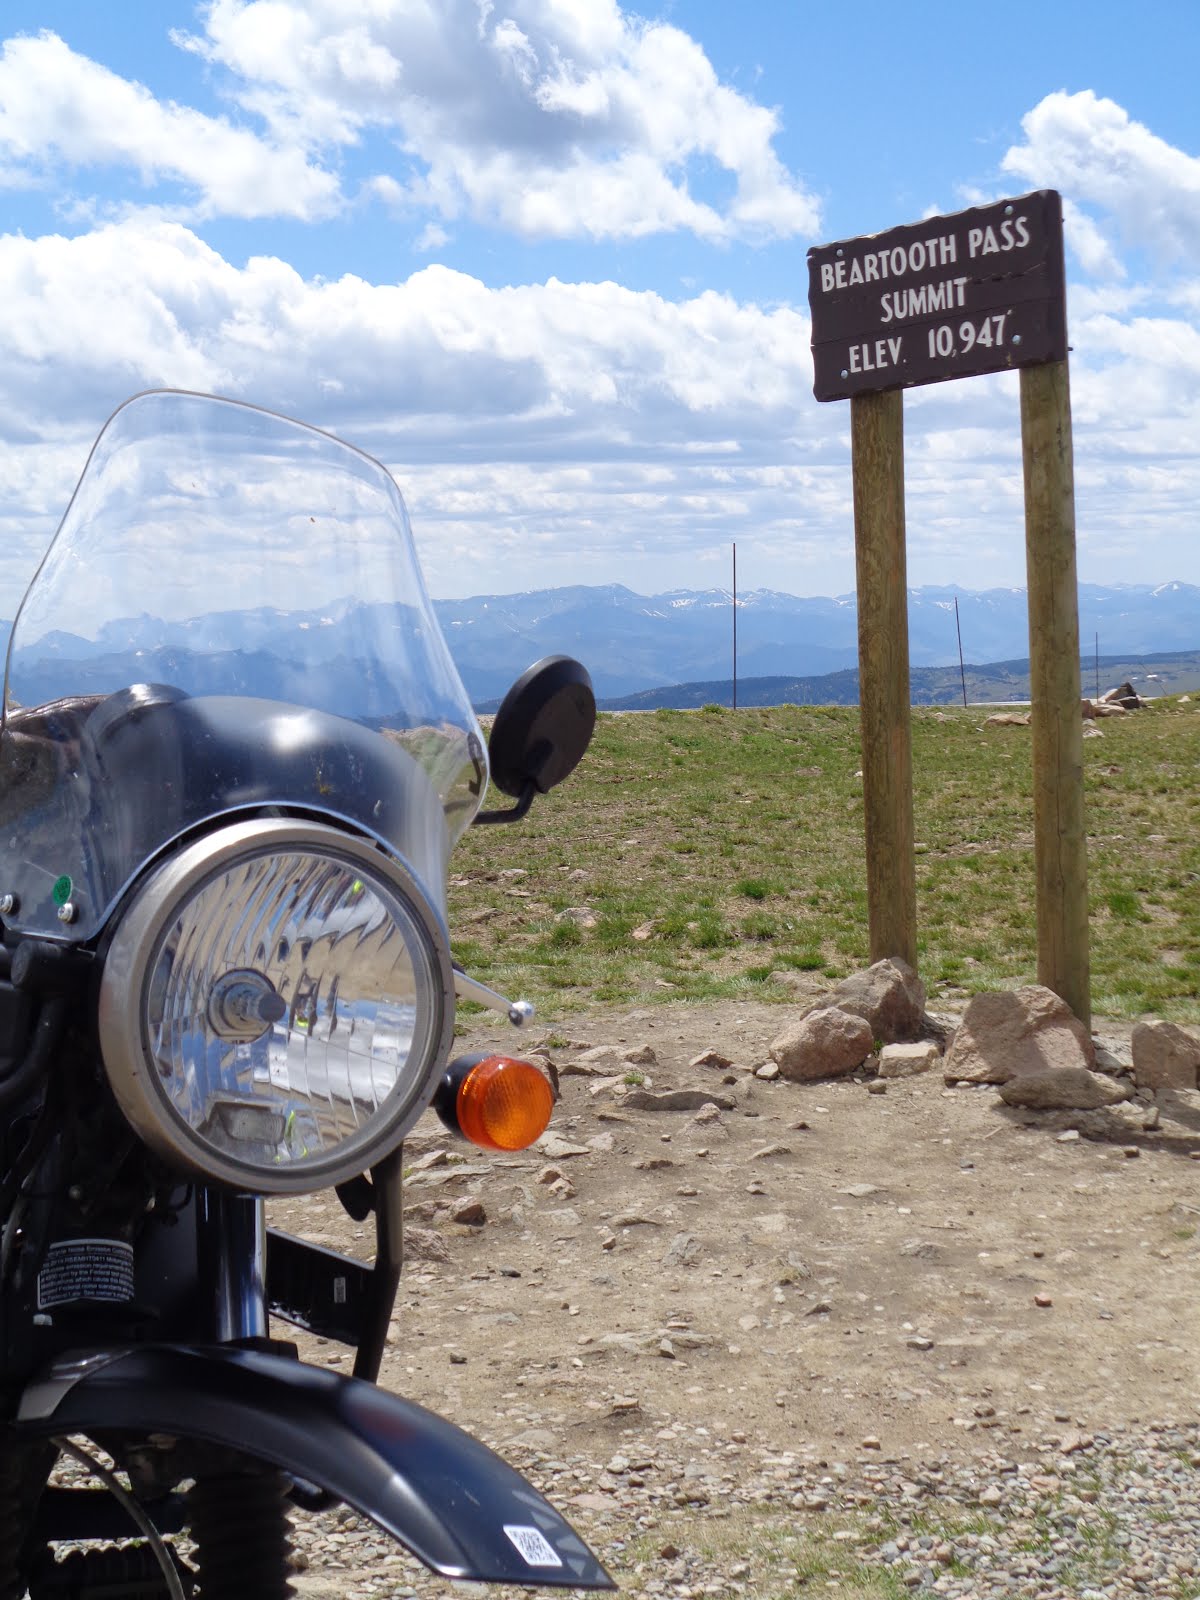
pixel 229 569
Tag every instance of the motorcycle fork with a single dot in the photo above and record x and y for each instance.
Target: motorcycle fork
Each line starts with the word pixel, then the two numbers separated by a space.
pixel 238 1512
pixel 232 1254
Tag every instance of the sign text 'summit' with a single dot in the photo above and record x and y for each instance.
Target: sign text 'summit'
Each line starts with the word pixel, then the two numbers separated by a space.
pixel 948 297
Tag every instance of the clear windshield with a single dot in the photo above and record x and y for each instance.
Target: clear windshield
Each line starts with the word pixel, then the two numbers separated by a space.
pixel 231 617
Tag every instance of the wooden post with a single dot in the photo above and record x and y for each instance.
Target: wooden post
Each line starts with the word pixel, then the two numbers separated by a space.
pixel 1060 840
pixel 877 444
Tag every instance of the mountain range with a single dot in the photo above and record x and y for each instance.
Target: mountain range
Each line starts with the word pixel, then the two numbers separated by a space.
pixel 629 642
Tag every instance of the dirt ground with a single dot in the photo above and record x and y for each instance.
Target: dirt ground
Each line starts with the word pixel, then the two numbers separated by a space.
pixel 809 1266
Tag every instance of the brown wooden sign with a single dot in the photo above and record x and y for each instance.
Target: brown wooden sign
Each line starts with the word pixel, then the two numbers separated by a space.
pixel 980 291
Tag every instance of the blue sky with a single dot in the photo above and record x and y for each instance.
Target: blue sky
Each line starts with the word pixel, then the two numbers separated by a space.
pixel 546 258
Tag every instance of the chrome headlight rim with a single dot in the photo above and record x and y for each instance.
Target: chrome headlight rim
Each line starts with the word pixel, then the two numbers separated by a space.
pixel 136 941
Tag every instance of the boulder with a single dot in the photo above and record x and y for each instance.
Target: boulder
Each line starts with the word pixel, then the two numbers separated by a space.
pixel 1165 1056
pixel 888 996
pixel 711 1058
pixel 1126 696
pixel 908 1060
pixel 1006 719
pixel 674 1100
pixel 1013 1032
pixel 824 1044
pixel 641 1055
pixel 1063 1089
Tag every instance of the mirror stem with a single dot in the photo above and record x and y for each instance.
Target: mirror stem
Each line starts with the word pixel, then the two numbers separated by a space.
pixel 514 813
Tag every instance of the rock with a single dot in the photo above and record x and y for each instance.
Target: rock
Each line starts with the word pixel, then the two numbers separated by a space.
pixel 683 1251
pixel 468 1211
pixel 1165 1056
pixel 877 1086
pixel 598 1054
pixel 908 1060
pixel 1062 1089
pixel 435 1158
pixel 581 916
pixel 860 1191
pixel 919 1341
pixel 1044 1301
pixel 1013 1032
pixel 557 1148
pixel 675 1100
pixel 581 1069
pixel 888 996
pixel 824 1044
pixel 1092 733
pixel 768 1072
pixel 939 1028
pixel 707 1113
pixel 615 1087
pixel 711 1058
pixel 1109 1060
pixel 1072 1443
pixel 1010 719
pixel 422 1244
pixel 641 1055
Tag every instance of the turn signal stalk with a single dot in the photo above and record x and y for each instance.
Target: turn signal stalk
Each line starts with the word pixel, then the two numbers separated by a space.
pixel 497 1102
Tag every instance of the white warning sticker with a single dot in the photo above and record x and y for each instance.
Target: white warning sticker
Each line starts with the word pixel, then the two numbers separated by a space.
pixel 533 1546
pixel 86 1269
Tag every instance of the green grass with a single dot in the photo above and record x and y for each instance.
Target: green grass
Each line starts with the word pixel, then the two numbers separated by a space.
pixel 789 1555
pixel 718 847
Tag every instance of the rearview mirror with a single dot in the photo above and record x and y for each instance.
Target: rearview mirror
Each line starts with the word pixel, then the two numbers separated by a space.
pixel 541 731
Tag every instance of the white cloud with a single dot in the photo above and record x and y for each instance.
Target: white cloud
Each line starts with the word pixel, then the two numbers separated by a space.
pixel 147 302
pixel 440 375
pixel 59 109
pixel 553 118
pixel 431 237
pixel 1092 149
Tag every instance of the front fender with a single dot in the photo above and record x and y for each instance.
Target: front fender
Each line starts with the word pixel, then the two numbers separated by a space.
pixel 447 1498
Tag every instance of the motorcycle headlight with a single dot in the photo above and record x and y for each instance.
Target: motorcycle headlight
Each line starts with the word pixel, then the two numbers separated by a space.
pixel 276 1003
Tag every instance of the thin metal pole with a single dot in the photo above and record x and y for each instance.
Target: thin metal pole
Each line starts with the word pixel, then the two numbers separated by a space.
pixel 1097 666
pixel 735 625
pixel 961 669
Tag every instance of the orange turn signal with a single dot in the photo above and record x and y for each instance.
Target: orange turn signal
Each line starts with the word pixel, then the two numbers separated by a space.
pixel 497 1102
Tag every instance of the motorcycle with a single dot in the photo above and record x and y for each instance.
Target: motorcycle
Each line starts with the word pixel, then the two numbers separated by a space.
pixel 235 757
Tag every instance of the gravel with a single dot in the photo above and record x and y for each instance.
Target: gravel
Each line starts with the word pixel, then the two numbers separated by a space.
pixel 690 1515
